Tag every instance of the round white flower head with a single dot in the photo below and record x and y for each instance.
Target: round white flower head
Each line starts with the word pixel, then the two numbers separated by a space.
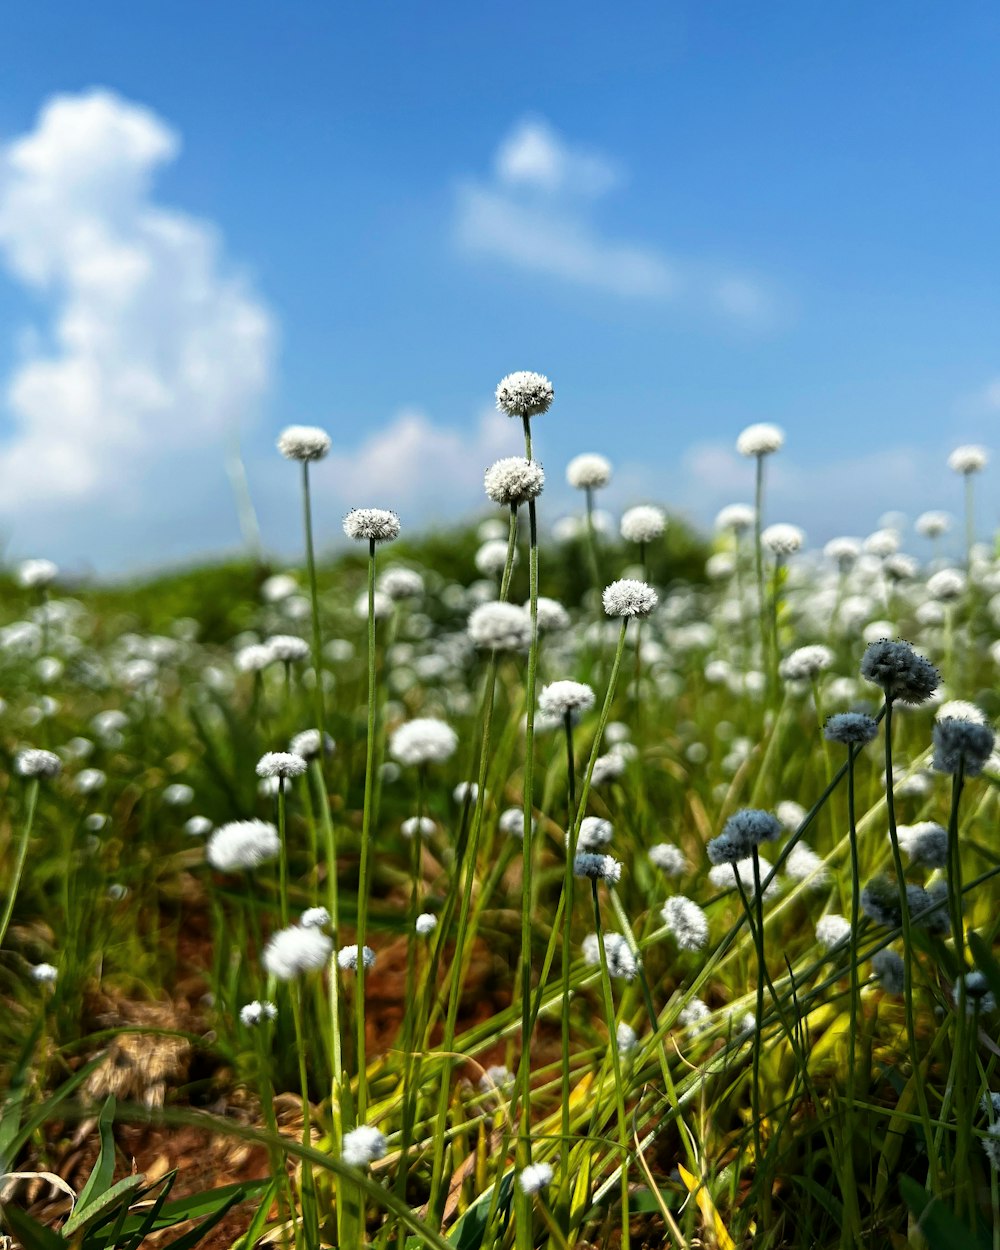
pixel 514 480
pixel 968 459
pixel 401 583
pixel 307 744
pixel 621 961
pixel 595 832
pixel 347 958
pixel 831 930
pixel 426 923
pixel 961 709
pixel 376 525
pixel 34 762
pixel 524 394
pixel 44 974
pixel 278 586
pixel 552 616
pixel 254 658
pixel 466 790
pixel 783 540
pixel 643 524
pixel 288 648
pixel 303 442
pixel 382 605
pixel 197 826
pixel 806 663
pixel 686 922
pixel 511 822
pixel 423 741
pixel 608 767
pixel 491 558
pixel 500 627
pixel 241 845
pixel 281 764
pixel 314 918
pixel 669 859
pixel 178 794
pixel 363 1145
pixel 534 1176
pixel 34 574
pixel 629 597
pixel 626 1038
pixel 588 472
pixel 933 524
pixel 803 864
pixel 737 517
pixel 946 585
pixel 760 440
pixel 290 952
pixel 882 543
pixel 566 698
pixel 415 826
pixel 88 780
pixel 255 1013
pixel 842 551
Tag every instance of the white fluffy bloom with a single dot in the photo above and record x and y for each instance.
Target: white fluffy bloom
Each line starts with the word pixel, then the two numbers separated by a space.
pixel 381 604
pixel 254 658
pixel 720 565
pixel 524 394
pixel 961 709
pixel 401 583
pixel 552 616
pixel 303 442
pixel 307 744
pixel 178 794
pixel 534 1176
pixel 88 780
pixel 595 832
pixel 281 764
pixel 803 864
pixel 588 472
pixel 842 551
pixel 790 813
pixel 626 1038
pixel 417 825
pixel 314 918
pixel 363 1145
pixel 686 922
pixel 34 762
pixel 295 950
pixel 34 574
pixel 44 974
pixel 500 627
pixel 288 648
pixel 197 826
pixel 832 929
pixel 924 843
pixel 347 958
pixel 511 822
pixel 279 586
pixel 806 663
pixel 425 740
pixel 760 440
pixel 255 1013
pixel 377 525
pixel 933 524
pixel 565 698
pixel 466 790
pixel 621 961
pixel 491 558
pixel 669 859
pixel 514 480
pixel 241 845
pixel 724 876
pixel 737 517
pixel 882 543
pixel 783 540
pixel 643 524
pixel 426 923
pixel 946 585
pixel 629 597
pixel 968 459
pixel 608 767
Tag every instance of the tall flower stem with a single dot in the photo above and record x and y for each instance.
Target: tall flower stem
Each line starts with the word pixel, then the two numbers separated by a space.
pixel 22 855
pixel 758 526
pixel 970 518
pixel 850 1192
pixel 963 1115
pixel 567 937
pixel 282 855
pixel 410 1004
pixel 317 634
pixel 609 1012
pixel 595 568
pixel 911 1032
pixel 308 1189
pixel 757 931
pixel 366 831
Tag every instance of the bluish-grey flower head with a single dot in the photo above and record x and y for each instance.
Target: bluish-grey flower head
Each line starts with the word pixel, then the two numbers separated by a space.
pixel 850 728
pixel 977 993
pixel 597 867
pixel 377 525
pixel 961 744
pixel 926 843
pixel 902 673
pixel 888 967
pixel 743 831
pixel 524 394
pixel 880 903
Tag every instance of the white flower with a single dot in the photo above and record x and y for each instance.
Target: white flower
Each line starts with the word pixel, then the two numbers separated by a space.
pixel 736 517
pixel 628 597
pixel 524 394
pixel 643 524
pixel 806 663
pixel 608 768
pixel 621 961
pixel 552 616
pixel 242 844
pixel 933 524
pixel 295 950
pixel 760 440
pixel 588 472
pixel 534 1176
pixel 255 1013
pixel 423 741
pixel 307 742
pixel 595 832
pixel 832 929
pixel 803 864
pixel 376 525
pixel 281 764
pixel 924 843
pixel 626 1038
pixel 466 790
pixel 500 627
pixel 401 583
pixel 279 586
pixel 946 585
pixel 686 922
pixel 491 558
pixel 254 658
pixel 791 814
pixel 511 822
pixel 514 480
pixel 842 551
pixel 381 605
pixel 179 794
pixel 303 442
pixel 414 825
pixel 882 543
pixel 347 958
pixel 426 923
pixel 32 574
pixel 669 859
pixel 724 876
pixel 961 709
pixel 88 780
pixel 314 918
pixel 968 459
pixel 44 974
pixel 783 540
pixel 288 648
pixel 363 1145
pixel 197 826
pixel 565 698
pixel 34 762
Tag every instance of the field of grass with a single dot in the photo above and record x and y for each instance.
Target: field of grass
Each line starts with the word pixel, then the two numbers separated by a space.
pixel 732 990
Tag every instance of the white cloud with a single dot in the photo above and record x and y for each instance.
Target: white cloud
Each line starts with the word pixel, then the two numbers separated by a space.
pixel 536 213
pixel 154 351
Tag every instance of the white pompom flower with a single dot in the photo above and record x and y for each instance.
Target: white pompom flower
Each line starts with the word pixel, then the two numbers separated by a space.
pixel 294 951
pixel 347 958
pixel 968 459
pixel 303 442
pixel 36 574
pixel 761 439
pixel 514 480
pixel 524 394
pixel 534 1176
pixel 377 525
pixel 565 698
pixel 588 472
pixel 643 524
pixel 34 762
pixel 281 764
pixel 425 740
pixel 500 627
pixel 363 1145
pixel 782 539
pixel 629 597
pixel 241 845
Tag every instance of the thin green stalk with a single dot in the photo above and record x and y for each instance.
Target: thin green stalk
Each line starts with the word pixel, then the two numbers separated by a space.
pixel 317 635
pixel 410 1005
pixel 308 1190
pixel 609 1012
pixel 567 937
pixel 366 834
pixel 22 854
pixel 850 1188
pixel 759 561
pixel 282 856
pixel 757 931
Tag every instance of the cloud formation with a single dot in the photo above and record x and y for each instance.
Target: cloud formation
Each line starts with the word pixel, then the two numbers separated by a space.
pixel 535 212
pixel 154 350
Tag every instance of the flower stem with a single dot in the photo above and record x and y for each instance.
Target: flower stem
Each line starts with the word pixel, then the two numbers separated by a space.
pixel 22 855
pixel 609 1011
pixel 366 832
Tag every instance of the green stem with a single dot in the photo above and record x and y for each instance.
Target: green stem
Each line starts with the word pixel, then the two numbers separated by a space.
pixel 22 854
pixel 282 856
pixel 609 1012
pixel 366 835
pixel 567 937
pixel 317 636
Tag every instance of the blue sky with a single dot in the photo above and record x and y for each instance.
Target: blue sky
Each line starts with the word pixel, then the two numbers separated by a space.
pixel 690 217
